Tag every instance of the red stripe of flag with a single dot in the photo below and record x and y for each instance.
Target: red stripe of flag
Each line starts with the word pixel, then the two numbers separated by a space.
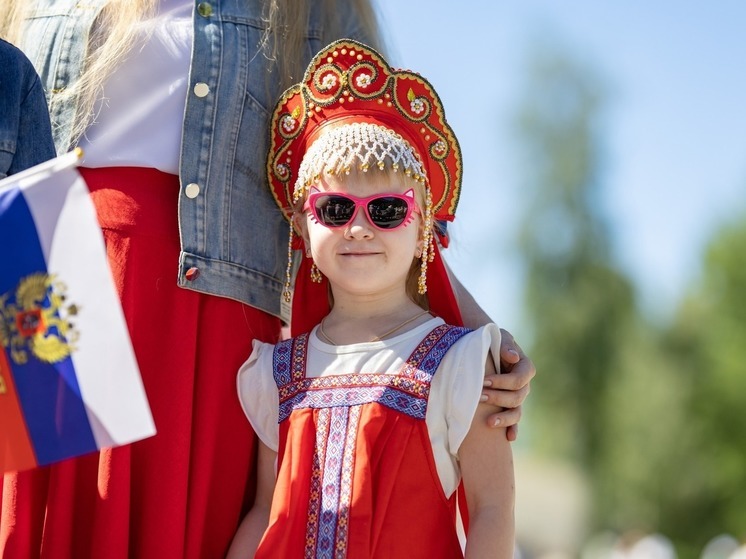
pixel 15 446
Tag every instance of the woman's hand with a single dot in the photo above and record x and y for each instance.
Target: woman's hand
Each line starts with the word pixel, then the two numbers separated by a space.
pixel 508 390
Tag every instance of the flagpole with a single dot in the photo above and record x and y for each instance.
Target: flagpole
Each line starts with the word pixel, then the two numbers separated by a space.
pixel 59 163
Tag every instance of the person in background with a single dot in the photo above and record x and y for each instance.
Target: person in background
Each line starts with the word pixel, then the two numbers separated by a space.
pixel 169 100
pixel 25 131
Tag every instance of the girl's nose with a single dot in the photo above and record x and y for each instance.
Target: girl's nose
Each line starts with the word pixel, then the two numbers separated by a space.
pixel 359 226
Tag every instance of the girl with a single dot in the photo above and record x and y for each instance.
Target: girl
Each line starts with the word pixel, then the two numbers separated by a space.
pixel 378 405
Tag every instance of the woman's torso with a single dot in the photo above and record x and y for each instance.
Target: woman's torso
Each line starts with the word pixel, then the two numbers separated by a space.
pixel 233 238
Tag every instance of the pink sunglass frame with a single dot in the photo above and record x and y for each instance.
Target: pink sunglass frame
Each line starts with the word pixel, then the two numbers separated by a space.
pixel 407 196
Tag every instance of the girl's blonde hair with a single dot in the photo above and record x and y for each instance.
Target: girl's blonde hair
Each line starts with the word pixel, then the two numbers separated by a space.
pixel 283 43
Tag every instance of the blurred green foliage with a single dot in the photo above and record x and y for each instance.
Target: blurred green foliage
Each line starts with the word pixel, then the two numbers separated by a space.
pixel 654 415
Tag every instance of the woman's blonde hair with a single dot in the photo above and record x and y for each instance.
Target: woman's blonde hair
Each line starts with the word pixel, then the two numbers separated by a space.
pixel 109 42
pixel 284 41
pixel 285 32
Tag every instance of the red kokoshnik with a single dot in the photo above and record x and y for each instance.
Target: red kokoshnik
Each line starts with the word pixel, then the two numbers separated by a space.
pixel 349 82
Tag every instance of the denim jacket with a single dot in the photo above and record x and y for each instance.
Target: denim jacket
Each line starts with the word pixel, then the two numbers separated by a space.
pixel 25 132
pixel 233 237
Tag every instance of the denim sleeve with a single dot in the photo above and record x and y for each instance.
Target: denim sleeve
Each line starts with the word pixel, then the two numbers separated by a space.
pixel 34 143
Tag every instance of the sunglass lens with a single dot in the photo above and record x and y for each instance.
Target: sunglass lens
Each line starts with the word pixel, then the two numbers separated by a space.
pixel 387 212
pixel 334 211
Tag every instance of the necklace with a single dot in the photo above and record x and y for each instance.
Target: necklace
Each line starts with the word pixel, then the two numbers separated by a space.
pixel 377 338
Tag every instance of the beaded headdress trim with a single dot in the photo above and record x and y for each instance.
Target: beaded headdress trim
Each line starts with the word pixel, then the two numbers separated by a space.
pixel 358 145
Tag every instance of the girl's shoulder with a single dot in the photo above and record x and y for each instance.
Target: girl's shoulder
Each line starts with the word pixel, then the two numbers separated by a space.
pixel 257 393
pixel 487 335
pixel 473 347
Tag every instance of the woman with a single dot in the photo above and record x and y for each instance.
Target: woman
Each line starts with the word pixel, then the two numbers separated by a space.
pixel 170 101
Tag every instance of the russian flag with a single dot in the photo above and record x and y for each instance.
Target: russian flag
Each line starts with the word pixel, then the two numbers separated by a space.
pixel 69 381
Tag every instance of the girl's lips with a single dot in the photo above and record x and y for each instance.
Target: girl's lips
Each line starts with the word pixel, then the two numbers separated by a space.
pixel 358 251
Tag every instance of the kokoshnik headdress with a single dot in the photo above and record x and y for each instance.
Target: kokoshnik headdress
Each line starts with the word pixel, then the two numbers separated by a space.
pixel 353 110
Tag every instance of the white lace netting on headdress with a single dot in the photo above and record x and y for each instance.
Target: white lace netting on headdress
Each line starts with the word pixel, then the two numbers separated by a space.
pixel 361 144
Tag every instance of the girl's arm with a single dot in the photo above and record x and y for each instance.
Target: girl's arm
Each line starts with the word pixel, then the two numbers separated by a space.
pixel 487 470
pixel 255 523
pixel 507 391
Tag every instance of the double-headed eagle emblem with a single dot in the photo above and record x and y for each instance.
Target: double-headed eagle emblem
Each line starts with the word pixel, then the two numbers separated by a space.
pixel 37 320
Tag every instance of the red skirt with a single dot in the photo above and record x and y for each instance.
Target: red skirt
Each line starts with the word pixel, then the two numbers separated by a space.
pixel 181 493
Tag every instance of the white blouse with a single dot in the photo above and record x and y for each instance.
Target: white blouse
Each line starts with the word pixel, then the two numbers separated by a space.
pixel 138 120
pixel 454 391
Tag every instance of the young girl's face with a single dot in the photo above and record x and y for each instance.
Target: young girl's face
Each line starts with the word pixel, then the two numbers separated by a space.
pixel 358 258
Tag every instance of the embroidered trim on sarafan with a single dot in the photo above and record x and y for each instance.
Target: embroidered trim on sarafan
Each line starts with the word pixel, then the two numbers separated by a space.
pixel 339 400
pixel 327 531
pixel 314 497
pixel 426 357
pixel 345 489
pixel 342 390
pixel 289 359
pixel 406 391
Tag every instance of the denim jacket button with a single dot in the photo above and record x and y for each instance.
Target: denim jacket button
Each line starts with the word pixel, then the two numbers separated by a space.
pixel 204 9
pixel 201 89
pixel 192 190
pixel 192 274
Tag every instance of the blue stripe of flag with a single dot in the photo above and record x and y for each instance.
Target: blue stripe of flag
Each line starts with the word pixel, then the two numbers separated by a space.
pixel 49 393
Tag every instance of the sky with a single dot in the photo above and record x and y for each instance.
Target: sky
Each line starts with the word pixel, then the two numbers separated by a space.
pixel 675 122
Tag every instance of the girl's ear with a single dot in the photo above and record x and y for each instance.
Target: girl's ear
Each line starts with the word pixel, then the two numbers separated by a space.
pixel 420 244
pixel 420 239
pixel 301 226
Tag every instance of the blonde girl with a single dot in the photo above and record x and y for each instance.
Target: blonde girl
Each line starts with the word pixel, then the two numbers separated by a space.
pixel 369 422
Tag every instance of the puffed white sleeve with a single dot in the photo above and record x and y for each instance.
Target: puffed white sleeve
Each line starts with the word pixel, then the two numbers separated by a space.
pixel 257 393
pixel 463 380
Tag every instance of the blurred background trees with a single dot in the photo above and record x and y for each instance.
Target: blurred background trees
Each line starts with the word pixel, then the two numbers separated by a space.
pixel 653 414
